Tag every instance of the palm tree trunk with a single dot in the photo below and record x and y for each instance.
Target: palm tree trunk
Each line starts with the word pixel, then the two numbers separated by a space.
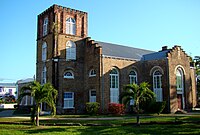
pixel 37 116
pixel 138 119
pixel 138 114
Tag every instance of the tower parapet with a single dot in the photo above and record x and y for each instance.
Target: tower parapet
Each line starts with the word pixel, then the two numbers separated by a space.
pixel 58 15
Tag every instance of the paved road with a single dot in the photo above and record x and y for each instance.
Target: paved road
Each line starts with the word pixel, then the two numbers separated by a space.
pixel 6 113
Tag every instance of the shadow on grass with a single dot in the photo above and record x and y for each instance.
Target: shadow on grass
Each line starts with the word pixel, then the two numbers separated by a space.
pixel 144 129
pixel 45 130
pixel 106 130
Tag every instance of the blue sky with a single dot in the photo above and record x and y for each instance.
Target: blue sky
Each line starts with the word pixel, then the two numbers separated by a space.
pixel 147 24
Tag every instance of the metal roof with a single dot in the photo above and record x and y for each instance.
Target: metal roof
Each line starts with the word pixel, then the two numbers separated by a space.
pixel 7 85
pixel 25 80
pixel 156 55
pixel 114 50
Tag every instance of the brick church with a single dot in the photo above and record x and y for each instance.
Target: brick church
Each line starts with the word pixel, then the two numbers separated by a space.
pixel 84 70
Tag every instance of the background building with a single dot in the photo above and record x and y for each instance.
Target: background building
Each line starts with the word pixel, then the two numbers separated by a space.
pixel 27 100
pixel 8 89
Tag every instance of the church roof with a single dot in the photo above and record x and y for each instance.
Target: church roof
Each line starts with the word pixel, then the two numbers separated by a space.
pixel 120 51
pixel 156 55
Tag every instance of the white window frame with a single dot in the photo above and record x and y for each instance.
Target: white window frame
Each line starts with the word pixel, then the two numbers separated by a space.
pixel 71 26
pixel 92 73
pixel 44 75
pixel 179 81
pixel 45 26
pixel 67 76
pixel 180 88
pixel 157 85
pixel 27 100
pixel 114 86
pixel 132 79
pixel 66 103
pixel 44 51
pixel 70 51
pixel 92 97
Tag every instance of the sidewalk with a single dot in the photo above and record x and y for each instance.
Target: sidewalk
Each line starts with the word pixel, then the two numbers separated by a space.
pixel 9 114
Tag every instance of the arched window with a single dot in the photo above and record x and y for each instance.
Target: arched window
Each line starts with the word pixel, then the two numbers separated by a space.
pixel 45 26
pixel 44 51
pixel 114 86
pixel 70 50
pixel 157 85
pixel 133 77
pixel 44 74
pixel 92 73
pixel 179 80
pixel 180 88
pixel 69 74
pixel 71 26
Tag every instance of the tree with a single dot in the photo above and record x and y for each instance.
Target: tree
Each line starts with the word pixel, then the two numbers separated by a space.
pixel 138 93
pixel 41 93
pixel 196 61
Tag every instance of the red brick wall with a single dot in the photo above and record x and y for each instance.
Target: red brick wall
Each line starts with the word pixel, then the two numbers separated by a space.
pixel 178 58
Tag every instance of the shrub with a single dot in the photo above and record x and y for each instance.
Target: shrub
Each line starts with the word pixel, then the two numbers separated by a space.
pixel 151 106
pixel 160 106
pixel 156 107
pixel 115 108
pixel 92 108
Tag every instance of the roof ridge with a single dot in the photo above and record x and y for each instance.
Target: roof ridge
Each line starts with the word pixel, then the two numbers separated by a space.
pixel 124 46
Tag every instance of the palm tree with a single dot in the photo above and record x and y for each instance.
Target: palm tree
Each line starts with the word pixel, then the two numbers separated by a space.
pixel 41 93
pixel 138 93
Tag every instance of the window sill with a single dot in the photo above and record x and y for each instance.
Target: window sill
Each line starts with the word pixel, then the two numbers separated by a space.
pixel 69 108
pixel 68 77
pixel 92 75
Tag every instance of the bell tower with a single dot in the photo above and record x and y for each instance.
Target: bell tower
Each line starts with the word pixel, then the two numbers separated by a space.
pixel 55 27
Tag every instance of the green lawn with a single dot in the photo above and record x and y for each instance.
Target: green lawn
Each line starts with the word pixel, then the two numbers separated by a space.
pixel 96 130
pixel 149 125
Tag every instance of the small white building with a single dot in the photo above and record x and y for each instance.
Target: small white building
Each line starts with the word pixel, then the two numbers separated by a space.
pixel 8 89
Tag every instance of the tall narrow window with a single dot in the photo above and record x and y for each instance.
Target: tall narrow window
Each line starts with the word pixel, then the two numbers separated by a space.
pixel 71 26
pixel 179 80
pixel 157 85
pixel 82 28
pixel 92 96
pixel 132 79
pixel 180 88
pixel 44 72
pixel 70 50
pixel 68 100
pixel 45 26
pixel 114 86
pixel 44 51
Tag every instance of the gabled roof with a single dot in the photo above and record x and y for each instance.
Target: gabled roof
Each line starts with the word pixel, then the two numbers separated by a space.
pixel 120 51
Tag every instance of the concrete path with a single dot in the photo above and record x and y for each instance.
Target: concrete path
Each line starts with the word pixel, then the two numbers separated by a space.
pixel 9 114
